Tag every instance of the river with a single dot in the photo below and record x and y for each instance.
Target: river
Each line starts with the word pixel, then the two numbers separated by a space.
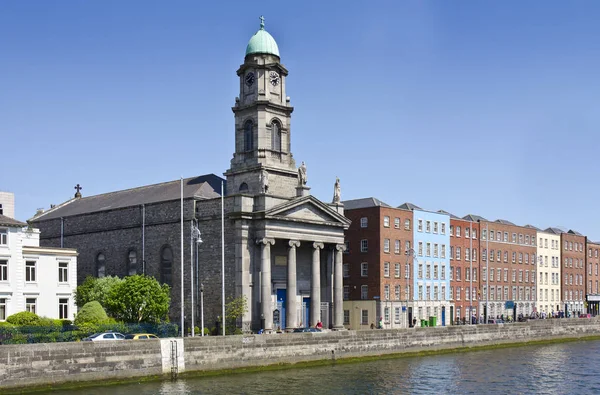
pixel 566 368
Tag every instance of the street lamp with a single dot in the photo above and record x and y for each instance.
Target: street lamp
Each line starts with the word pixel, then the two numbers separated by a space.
pixel 194 235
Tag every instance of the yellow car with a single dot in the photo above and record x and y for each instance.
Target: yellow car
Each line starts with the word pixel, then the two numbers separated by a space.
pixel 140 336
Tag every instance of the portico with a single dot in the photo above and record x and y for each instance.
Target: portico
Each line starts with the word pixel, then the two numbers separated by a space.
pixel 300 250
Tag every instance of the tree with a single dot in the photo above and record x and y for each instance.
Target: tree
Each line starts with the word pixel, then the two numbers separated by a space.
pixel 91 313
pixel 234 310
pixel 95 289
pixel 139 298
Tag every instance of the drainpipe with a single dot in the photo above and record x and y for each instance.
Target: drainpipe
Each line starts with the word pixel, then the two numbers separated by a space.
pixel 62 232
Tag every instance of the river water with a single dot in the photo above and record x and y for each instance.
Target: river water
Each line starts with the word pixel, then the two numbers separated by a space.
pixel 567 368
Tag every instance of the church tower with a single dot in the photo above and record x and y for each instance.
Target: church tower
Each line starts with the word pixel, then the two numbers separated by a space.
pixel 263 161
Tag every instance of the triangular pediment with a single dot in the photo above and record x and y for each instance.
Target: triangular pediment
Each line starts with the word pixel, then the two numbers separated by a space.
pixel 307 209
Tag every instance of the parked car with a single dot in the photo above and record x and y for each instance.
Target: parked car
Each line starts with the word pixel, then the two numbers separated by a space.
pixel 297 330
pixel 140 336
pixel 97 337
pixel 495 321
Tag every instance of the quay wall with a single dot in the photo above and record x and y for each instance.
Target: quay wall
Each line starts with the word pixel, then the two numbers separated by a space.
pixel 55 364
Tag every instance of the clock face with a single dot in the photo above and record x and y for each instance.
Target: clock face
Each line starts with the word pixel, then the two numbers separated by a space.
pixel 274 78
pixel 250 79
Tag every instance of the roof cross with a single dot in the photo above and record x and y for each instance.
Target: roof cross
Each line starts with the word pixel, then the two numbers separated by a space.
pixel 78 188
pixel 262 22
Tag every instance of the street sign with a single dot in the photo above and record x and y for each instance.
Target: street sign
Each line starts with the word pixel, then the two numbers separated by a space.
pixel 510 304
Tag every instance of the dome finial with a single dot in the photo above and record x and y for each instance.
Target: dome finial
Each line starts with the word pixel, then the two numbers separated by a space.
pixel 262 22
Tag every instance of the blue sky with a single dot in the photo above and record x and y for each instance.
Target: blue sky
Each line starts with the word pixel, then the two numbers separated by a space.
pixel 477 107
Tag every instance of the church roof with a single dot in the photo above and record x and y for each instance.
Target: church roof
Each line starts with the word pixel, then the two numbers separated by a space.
pixel 11 222
pixel 203 187
pixel 262 42
pixel 363 203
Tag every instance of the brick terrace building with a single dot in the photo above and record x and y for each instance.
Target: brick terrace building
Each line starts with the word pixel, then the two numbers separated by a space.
pixel 464 266
pixel 573 271
pixel 592 296
pixel 376 268
pixel 512 274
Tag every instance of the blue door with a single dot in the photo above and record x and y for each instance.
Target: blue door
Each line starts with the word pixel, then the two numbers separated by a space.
pixel 306 323
pixel 281 299
pixel 443 316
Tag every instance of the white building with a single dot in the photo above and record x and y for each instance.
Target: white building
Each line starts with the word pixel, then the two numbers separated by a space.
pixel 33 278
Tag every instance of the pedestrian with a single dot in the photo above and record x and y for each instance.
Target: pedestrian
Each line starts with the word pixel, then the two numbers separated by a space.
pixel 380 322
pixel 372 325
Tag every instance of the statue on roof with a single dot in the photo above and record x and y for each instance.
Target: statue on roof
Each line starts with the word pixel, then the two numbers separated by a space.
pixel 263 177
pixel 337 191
pixel 302 175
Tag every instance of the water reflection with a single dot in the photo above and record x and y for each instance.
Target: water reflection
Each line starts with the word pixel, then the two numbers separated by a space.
pixel 568 368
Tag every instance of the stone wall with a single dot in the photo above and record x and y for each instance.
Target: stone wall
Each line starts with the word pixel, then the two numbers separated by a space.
pixel 55 363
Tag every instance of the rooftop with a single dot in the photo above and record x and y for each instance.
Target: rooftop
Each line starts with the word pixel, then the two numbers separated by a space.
pixel 202 187
pixel 364 203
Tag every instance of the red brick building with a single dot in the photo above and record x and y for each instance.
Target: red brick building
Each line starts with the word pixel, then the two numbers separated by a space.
pixel 464 267
pixel 376 267
pixel 573 255
pixel 592 278
pixel 511 250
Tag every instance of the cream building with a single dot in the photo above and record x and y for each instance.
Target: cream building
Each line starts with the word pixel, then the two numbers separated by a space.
pixel 548 272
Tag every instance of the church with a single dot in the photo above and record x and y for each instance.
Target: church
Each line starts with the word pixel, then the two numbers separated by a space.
pixel 283 248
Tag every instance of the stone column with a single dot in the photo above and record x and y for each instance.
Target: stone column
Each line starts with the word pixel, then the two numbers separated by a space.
pixel 291 315
pixel 266 309
pixel 315 285
pixel 338 289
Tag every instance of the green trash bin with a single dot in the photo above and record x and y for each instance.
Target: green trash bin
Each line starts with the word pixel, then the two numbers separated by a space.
pixel 432 321
pixel 424 323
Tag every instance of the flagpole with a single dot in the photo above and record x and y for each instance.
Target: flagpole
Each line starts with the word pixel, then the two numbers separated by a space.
pixel 223 257
pixel 181 253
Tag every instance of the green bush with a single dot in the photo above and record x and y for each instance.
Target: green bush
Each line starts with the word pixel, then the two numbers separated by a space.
pixel 91 314
pixel 24 318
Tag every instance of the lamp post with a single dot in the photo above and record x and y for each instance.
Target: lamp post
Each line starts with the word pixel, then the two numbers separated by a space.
pixel 194 235
pixel 202 307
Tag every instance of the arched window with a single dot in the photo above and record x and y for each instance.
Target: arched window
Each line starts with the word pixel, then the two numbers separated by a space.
pixel 100 265
pixel 276 136
pixel 248 136
pixel 166 265
pixel 132 263
pixel 244 187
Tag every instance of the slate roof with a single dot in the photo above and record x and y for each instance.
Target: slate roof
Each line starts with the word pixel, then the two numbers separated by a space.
pixel 11 222
pixel 363 203
pixel 203 187
pixel 532 227
pixel 409 206
pixel 574 232
pixel 449 214
pixel 474 218
pixel 504 222
pixel 555 230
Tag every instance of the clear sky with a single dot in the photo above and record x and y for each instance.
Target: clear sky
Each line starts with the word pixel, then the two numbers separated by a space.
pixel 491 108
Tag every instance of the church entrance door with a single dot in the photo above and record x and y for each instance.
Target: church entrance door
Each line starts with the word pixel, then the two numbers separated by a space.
pixel 306 316
pixel 281 299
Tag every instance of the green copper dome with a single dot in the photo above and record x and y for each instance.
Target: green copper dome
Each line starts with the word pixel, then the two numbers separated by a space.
pixel 262 42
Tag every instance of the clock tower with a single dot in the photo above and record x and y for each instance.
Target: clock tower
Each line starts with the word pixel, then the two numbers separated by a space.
pixel 262 161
